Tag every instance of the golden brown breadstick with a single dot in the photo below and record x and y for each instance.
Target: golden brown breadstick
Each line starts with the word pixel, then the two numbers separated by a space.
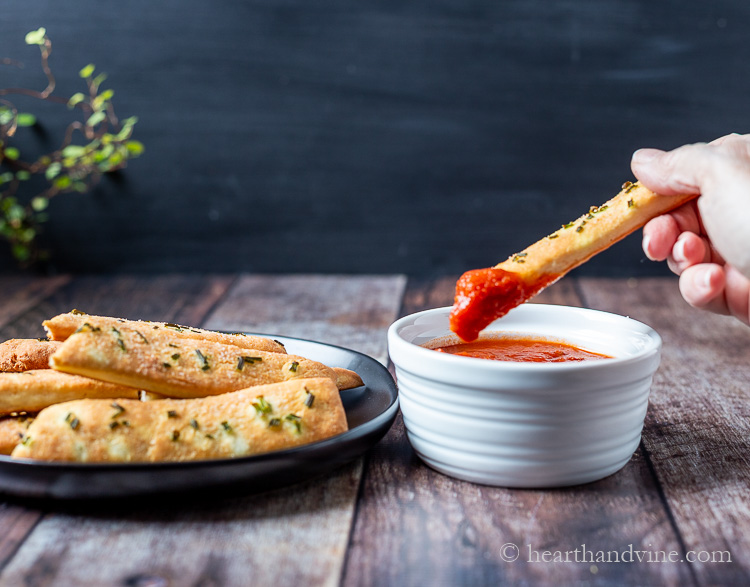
pixel 24 354
pixel 33 390
pixel 159 362
pixel 12 429
pixel 251 421
pixel 346 379
pixel 483 295
pixel 62 326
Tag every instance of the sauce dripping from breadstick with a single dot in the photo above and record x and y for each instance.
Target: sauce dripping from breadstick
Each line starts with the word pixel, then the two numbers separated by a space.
pixel 483 295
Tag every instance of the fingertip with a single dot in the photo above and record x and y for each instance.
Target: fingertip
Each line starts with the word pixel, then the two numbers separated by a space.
pixel 701 284
pixel 645 156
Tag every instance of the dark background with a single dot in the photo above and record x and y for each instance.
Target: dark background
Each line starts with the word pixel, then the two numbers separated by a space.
pixel 372 136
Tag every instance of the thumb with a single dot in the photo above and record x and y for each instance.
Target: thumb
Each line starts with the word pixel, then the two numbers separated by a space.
pixel 671 172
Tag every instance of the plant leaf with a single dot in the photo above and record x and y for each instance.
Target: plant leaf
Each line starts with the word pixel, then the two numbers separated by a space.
pixel 39 203
pixel 73 151
pixel 96 118
pixel 135 148
pixel 25 119
pixel 52 171
pixel 12 153
pixel 87 71
pixel 76 98
pixel 62 182
pixel 36 37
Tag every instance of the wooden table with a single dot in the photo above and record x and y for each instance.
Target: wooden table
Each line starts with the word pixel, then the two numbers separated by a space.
pixel 387 519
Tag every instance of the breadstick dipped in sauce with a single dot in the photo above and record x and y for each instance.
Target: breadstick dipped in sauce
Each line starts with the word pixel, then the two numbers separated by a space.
pixel 483 295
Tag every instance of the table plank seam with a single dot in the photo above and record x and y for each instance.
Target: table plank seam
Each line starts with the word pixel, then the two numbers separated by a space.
pixel 667 509
pixel 220 299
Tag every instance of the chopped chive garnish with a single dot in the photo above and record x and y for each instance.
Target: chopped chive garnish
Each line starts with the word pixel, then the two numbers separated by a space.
pixel 309 399
pixel 293 366
pixel 296 421
pixel 262 406
pixel 202 360
pixel 143 338
pixel 171 414
pixel 274 422
pixel 120 342
pixel 175 356
pixel 194 423
pixel 175 435
pixel 226 426
pixel 118 409
pixel 86 327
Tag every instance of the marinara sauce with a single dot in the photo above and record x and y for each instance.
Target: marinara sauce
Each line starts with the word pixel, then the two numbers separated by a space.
pixel 526 350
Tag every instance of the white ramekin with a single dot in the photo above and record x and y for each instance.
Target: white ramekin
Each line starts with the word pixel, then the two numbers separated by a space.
pixel 526 424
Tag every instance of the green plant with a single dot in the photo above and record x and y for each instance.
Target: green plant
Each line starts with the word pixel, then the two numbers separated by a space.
pixel 93 145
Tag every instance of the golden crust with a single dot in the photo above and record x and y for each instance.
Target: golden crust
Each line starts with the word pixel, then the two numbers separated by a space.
pixel 12 429
pixel 346 379
pixel 33 390
pixel 245 422
pixel 578 241
pixel 62 326
pixel 160 362
pixel 23 354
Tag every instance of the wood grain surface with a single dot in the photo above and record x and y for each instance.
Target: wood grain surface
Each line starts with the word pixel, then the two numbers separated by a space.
pixel 387 518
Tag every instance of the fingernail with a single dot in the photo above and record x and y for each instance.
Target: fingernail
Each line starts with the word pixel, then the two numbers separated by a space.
pixel 645 155
pixel 707 279
pixel 678 251
pixel 645 245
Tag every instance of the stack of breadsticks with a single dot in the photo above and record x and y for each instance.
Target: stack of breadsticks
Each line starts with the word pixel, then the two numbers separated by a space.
pixel 101 389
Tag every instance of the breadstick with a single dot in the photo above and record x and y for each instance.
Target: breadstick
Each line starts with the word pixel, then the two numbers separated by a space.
pixel 484 295
pixel 12 429
pixel 160 362
pixel 23 354
pixel 250 421
pixel 346 379
pixel 33 390
pixel 62 326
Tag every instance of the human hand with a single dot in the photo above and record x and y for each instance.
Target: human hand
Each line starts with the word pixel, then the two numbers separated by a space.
pixel 707 241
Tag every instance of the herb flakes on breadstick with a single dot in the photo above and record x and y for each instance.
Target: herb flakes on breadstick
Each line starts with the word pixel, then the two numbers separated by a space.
pixel 63 325
pixel 177 367
pixel 245 422
pixel 483 295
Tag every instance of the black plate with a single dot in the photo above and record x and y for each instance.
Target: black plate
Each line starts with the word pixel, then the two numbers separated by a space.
pixel 370 411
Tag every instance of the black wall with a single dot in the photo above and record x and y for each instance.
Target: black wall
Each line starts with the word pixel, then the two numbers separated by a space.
pixel 373 136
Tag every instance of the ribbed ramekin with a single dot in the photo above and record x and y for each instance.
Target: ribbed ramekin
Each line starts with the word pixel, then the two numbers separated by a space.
pixel 526 424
